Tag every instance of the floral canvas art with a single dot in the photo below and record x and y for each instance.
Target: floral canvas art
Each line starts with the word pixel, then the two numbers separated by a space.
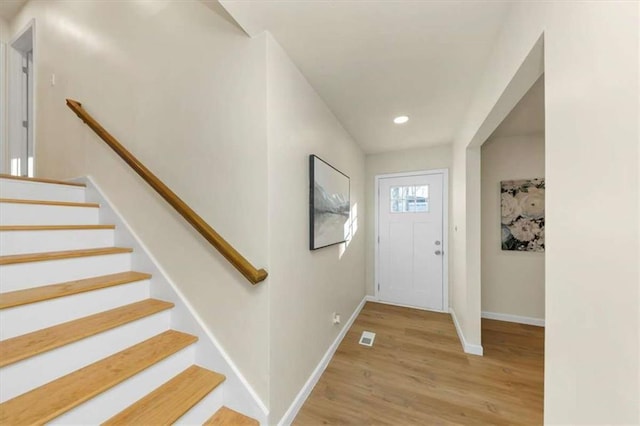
pixel 522 203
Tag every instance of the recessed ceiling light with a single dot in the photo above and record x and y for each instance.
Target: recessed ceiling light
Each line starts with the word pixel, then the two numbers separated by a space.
pixel 401 119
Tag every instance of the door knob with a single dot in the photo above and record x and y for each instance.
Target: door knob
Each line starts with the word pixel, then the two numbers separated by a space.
pixel 438 252
pixel 437 243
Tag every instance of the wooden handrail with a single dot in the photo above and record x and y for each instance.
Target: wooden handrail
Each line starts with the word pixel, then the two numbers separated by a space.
pixel 236 259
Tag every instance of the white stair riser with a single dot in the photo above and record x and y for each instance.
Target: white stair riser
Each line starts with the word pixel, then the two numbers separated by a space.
pixel 36 371
pixel 204 409
pixel 35 274
pixel 43 214
pixel 111 402
pixel 22 190
pixel 20 242
pixel 35 316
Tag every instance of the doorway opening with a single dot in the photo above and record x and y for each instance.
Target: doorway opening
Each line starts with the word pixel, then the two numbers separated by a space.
pixel 512 236
pixel 513 214
pixel 21 120
pixel 500 338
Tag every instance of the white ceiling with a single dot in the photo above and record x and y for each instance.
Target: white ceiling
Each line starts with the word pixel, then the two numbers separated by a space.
pixel 373 60
pixel 10 8
pixel 527 117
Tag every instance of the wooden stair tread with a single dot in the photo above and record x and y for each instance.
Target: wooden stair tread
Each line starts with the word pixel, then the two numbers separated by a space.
pixel 57 255
pixel 27 345
pixel 41 180
pixel 49 203
pixel 53 227
pixel 170 401
pixel 227 417
pixel 48 401
pixel 53 291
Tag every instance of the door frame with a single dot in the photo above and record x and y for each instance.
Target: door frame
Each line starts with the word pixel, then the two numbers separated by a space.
pixel 445 234
pixel 21 43
pixel 4 84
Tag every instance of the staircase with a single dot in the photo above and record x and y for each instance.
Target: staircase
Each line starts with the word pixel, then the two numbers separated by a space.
pixel 81 340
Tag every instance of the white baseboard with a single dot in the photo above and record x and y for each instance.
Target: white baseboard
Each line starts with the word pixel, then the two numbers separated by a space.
pixel 304 393
pixel 374 299
pixel 238 392
pixel 467 347
pixel 513 318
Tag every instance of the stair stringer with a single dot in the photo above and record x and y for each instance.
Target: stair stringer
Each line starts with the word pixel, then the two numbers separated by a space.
pixel 238 394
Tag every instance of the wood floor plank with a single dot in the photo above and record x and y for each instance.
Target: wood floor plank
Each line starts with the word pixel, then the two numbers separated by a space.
pixel 31 344
pixel 57 255
pixel 416 373
pixel 228 417
pixel 47 402
pixel 49 203
pixel 38 294
pixel 170 401
pixel 41 180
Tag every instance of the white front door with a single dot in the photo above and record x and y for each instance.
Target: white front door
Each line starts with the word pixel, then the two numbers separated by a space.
pixel 410 244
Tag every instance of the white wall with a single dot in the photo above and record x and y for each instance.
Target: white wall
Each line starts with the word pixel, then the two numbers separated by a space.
pixel 185 91
pixel 306 287
pixel 4 30
pixel 512 282
pixel 4 149
pixel 592 238
pixel 437 157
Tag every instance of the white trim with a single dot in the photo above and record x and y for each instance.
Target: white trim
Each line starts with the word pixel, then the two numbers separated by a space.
pixel 383 302
pixel 445 240
pixel 304 393
pixel 4 84
pixel 467 347
pixel 445 230
pixel 109 212
pixel 14 75
pixel 513 318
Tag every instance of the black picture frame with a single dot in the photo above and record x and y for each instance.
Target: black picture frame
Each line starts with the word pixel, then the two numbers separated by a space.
pixel 329 204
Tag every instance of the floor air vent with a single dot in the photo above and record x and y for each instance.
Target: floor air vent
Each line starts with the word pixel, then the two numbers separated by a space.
pixel 367 338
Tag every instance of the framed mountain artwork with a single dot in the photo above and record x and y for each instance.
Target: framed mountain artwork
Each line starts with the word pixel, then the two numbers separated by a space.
pixel 329 204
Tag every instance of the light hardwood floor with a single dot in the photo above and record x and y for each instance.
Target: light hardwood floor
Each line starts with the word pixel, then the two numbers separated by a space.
pixel 417 374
